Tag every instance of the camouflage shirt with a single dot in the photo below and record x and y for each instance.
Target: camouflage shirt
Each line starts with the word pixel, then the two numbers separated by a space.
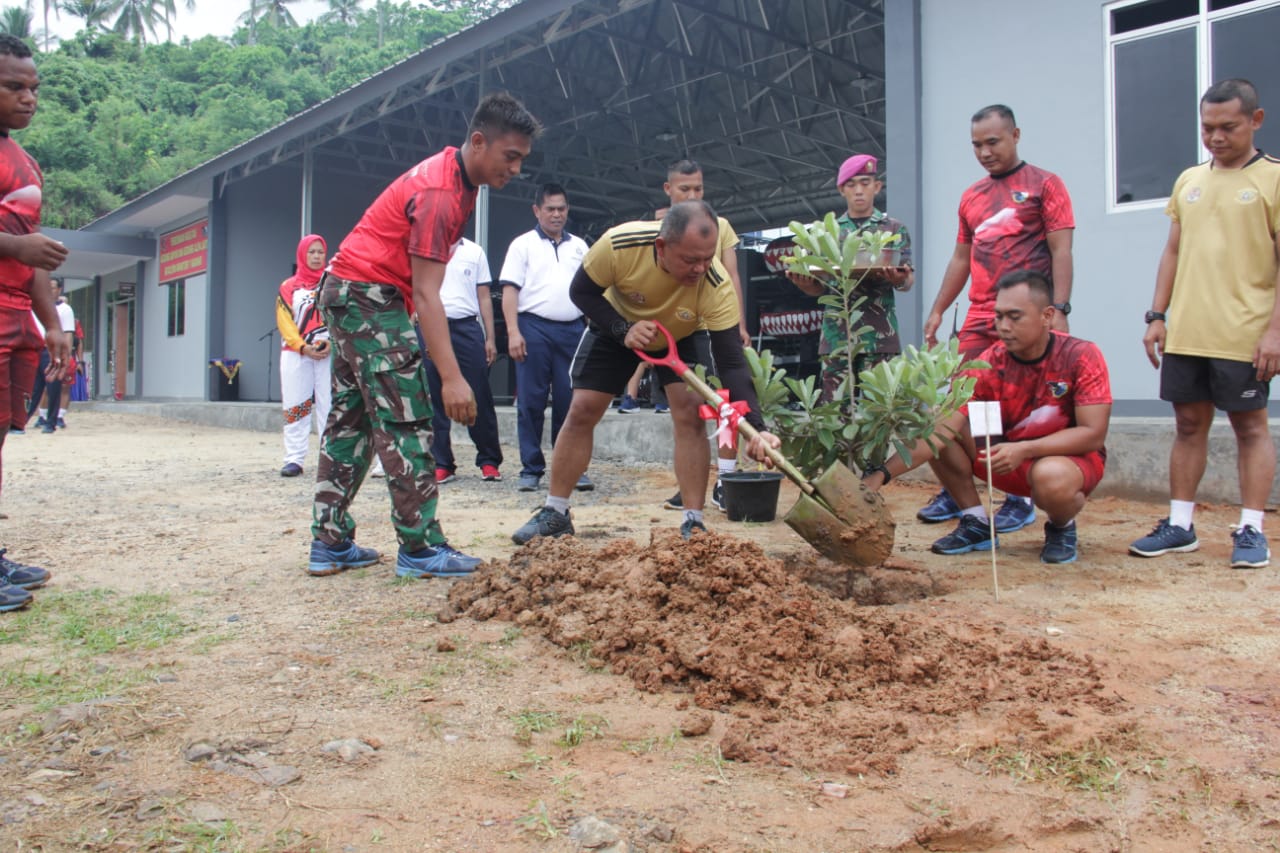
pixel 878 309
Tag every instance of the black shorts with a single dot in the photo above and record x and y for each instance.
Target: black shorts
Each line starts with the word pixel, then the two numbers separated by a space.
pixel 603 364
pixel 1232 386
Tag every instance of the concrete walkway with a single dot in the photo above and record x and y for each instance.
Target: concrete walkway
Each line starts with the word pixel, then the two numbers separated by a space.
pixel 1138 448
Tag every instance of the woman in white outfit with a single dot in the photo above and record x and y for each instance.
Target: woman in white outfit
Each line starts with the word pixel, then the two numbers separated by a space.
pixel 304 356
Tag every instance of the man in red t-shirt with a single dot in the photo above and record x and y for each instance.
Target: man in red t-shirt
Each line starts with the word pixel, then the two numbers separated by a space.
pixel 1016 218
pixel 26 258
pixel 391 265
pixel 1055 405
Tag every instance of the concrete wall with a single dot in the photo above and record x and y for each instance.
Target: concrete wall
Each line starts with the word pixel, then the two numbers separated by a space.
pixel 1047 63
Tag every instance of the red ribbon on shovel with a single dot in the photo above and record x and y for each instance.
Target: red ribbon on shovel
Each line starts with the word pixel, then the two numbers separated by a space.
pixel 727 416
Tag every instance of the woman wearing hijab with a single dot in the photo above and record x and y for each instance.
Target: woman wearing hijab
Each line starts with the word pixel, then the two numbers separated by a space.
pixel 304 356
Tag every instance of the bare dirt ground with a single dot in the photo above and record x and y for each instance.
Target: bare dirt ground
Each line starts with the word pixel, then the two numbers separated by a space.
pixel 182 684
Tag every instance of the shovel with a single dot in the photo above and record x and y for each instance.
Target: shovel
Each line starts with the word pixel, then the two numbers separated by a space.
pixel 844 520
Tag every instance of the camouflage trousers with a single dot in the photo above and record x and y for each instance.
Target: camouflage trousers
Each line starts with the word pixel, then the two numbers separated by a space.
pixel 380 404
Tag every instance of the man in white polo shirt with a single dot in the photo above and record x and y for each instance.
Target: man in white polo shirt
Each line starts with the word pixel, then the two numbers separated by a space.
pixel 543 326
pixel 465 296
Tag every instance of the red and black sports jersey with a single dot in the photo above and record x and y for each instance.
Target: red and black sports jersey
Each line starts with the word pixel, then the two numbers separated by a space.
pixel 1006 220
pixel 1040 397
pixel 20 188
pixel 422 213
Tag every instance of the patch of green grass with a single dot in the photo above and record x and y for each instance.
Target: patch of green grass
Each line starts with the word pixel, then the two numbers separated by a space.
pixel 530 722
pixel 653 742
pixel 538 822
pixel 1086 769
pixel 96 621
pixel 509 636
pixel 51 684
pixel 194 836
pixel 582 653
pixel 581 729
pixel 208 642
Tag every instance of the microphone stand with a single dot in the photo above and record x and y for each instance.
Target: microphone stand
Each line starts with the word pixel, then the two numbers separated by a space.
pixel 268 336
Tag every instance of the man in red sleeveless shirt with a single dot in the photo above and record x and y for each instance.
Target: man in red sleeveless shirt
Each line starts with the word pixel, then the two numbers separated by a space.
pixel 26 258
pixel 1055 404
pixel 1018 217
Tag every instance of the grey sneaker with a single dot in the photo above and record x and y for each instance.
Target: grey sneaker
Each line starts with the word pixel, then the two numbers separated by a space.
pixel 584 484
pixel 27 577
pixel 331 559
pixel 690 527
pixel 545 522
pixel 1249 549
pixel 528 483
pixel 1164 539
pixel 439 561
pixel 13 597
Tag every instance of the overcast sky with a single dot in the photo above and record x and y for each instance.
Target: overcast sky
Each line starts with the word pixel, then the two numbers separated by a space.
pixel 210 17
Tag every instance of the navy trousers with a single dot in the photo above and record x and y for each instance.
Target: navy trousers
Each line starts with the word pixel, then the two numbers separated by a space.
pixel 467 337
pixel 53 389
pixel 550 346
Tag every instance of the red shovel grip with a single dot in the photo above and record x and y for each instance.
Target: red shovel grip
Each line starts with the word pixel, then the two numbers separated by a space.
pixel 672 358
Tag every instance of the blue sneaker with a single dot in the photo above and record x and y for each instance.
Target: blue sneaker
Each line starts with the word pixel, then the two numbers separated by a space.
pixel 1059 544
pixel 1249 549
pixel 940 508
pixel 13 597
pixel 16 574
pixel 331 559
pixel 971 534
pixel 1166 538
pixel 628 405
pixel 661 409
pixel 437 561
pixel 1014 514
pixel 13 430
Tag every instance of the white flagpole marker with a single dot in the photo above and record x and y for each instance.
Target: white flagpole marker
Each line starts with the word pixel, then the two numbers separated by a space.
pixel 984 420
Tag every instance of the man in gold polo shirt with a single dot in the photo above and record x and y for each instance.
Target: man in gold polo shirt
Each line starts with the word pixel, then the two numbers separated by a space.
pixel 635 276
pixel 1216 321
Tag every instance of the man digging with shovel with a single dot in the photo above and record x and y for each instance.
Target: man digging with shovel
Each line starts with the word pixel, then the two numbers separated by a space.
pixel 637 275
pixel 1054 394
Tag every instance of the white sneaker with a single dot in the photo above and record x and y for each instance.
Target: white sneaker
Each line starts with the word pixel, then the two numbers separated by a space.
pixel 376 470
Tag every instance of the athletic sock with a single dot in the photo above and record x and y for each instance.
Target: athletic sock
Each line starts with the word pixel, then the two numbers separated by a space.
pixel 978 512
pixel 1070 525
pixel 1180 513
pixel 693 515
pixel 726 466
pixel 1251 517
pixel 560 505
pixel 62 413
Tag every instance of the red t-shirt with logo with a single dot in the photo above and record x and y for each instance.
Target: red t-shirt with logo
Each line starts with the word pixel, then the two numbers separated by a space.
pixel 1006 219
pixel 1038 398
pixel 422 213
pixel 20 189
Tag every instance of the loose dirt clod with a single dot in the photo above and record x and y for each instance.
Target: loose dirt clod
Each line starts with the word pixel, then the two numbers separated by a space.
pixel 717 618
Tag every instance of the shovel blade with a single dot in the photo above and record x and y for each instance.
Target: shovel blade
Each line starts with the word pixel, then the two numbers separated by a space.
pixel 847 522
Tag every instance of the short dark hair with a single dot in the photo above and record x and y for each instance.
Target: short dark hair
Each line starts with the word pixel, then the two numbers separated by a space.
pixel 994 110
pixel 57 280
pixel 1036 282
pixel 13 46
pixel 684 167
pixel 686 214
pixel 499 113
pixel 1225 91
pixel 548 190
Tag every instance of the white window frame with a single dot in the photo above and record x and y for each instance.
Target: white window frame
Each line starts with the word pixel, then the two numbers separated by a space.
pixel 1202 21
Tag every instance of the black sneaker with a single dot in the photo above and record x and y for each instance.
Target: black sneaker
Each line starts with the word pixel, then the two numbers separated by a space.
pixel 16 574
pixel 691 527
pixel 674 502
pixel 971 534
pixel 545 522
pixel 1059 544
pixel 717 496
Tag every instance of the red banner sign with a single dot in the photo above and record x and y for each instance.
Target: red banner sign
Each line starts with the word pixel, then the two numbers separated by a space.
pixel 184 252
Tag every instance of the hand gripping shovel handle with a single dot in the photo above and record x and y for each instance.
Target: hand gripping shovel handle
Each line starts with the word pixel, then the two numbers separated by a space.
pixel 673 361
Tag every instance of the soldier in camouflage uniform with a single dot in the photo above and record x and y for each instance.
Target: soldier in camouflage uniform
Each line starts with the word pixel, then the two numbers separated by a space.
pixel 858 183
pixel 391 263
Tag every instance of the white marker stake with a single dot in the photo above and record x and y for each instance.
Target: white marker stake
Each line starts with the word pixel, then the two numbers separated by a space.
pixel 984 420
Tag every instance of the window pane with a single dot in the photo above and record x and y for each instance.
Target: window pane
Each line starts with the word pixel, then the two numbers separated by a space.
pixel 1245 46
pixel 1156 113
pixel 1137 17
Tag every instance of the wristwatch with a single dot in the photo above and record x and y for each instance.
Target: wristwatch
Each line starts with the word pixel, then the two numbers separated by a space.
pixel 1152 316
pixel 1064 307
pixel 871 469
pixel 619 330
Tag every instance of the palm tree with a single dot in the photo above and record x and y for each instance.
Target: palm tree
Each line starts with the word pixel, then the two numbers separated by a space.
pixel 171 12
pixel 342 11
pixel 17 20
pixel 274 11
pixel 136 17
pixel 94 13
pixel 47 34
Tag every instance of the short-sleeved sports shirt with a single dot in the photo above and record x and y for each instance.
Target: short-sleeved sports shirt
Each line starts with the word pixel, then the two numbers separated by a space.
pixel 1225 284
pixel 1038 398
pixel 422 213
pixel 1006 220
pixel 625 263
pixel 20 193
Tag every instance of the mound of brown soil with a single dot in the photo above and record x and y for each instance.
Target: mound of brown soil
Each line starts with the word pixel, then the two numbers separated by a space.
pixel 717 618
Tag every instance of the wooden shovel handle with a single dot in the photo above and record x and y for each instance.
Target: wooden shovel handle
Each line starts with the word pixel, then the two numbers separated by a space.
pixel 673 361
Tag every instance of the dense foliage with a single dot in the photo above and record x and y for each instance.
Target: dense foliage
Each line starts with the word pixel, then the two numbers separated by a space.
pixel 120 115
